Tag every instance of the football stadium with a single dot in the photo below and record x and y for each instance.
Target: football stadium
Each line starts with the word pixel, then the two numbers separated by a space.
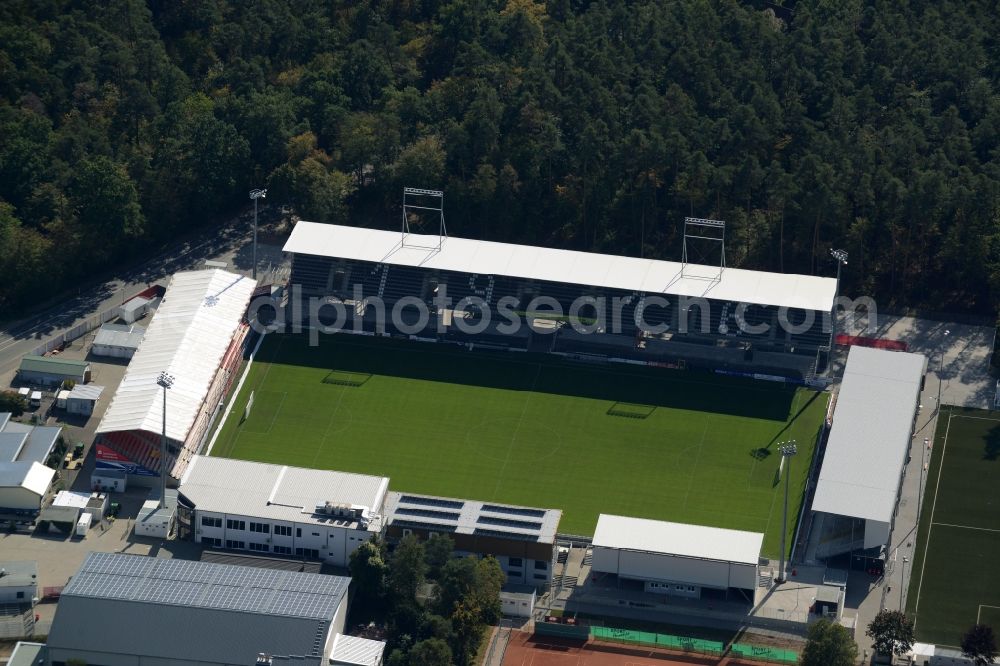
pixel 955 581
pixel 672 413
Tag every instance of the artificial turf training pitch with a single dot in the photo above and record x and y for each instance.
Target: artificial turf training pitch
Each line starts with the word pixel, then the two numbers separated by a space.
pixel 956 580
pixel 530 429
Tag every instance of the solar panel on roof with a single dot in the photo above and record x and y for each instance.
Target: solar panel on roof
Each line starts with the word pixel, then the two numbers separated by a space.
pixel 514 510
pixel 507 522
pixel 431 501
pixel 482 531
pixel 429 513
pixel 416 524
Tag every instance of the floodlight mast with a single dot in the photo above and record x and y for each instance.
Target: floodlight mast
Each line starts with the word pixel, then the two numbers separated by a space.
pixel 787 450
pixel 164 380
pixel 409 193
pixel 255 195
pixel 714 231
pixel 841 257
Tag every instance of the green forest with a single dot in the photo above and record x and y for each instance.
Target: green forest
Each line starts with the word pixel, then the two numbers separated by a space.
pixel 871 125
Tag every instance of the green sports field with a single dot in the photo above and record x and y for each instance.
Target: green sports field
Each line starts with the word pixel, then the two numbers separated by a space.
pixel 535 430
pixel 956 578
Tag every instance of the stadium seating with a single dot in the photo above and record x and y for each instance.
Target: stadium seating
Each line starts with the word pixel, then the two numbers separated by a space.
pixel 718 325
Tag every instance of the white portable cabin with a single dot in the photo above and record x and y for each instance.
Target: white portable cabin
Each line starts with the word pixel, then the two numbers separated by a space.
pixel 83 398
pixel 135 309
pixel 83 524
pixel 117 340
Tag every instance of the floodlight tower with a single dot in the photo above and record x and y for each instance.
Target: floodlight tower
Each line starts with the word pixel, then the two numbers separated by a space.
pixel 841 257
pixel 164 380
pixel 432 201
pixel 255 195
pixel 710 233
pixel 788 449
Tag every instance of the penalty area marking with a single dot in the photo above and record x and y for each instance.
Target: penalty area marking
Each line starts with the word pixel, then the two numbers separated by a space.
pixel 979 612
pixel 930 525
pixel 966 527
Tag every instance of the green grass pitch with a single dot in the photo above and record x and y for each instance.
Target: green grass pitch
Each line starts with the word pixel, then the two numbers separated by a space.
pixel 530 429
pixel 956 580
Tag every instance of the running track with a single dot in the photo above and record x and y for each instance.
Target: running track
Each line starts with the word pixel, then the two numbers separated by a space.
pixel 525 649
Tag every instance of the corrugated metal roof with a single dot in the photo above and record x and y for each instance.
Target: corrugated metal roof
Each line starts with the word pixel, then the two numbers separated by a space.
pixel 564 266
pixel 277 492
pixel 698 541
pixel 120 335
pixel 356 651
pixel 41 441
pixel 474 517
pixel 872 424
pixel 30 475
pixel 53 364
pixel 194 611
pixel 86 392
pixel 11 444
pixel 188 336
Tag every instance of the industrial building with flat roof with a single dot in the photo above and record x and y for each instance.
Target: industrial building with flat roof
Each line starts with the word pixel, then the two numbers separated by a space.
pixel 865 457
pixel 314 514
pixel 679 559
pixel 196 337
pixel 521 538
pixel 131 609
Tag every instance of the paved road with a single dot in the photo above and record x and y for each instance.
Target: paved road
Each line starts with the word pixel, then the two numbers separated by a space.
pixel 229 242
pixel 891 593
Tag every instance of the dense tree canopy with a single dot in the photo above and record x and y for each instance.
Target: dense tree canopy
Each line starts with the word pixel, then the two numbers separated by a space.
pixel 830 644
pixel 868 124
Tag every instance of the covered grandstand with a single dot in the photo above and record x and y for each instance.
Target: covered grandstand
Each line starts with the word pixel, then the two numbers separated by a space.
pixel 717 317
pixel 197 335
pixel 862 469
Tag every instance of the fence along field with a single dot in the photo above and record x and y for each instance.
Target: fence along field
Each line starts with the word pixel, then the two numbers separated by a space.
pixel 529 429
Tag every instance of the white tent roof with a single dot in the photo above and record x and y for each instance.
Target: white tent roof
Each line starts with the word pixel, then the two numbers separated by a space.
pixel 697 541
pixel 872 424
pixel 34 476
pixel 188 336
pixel 565 266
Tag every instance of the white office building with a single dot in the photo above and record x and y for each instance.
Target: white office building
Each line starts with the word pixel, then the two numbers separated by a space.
pixel 279 510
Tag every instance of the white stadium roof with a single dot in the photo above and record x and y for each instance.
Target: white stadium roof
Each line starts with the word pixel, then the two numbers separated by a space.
pixel 463 255
pixel 188 336
pixel 663 538
pixel 276 492
pixel 872 424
